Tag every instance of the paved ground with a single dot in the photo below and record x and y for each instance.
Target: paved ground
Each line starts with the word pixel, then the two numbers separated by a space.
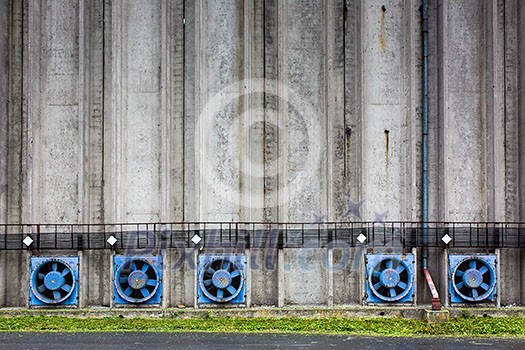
pixel 204 341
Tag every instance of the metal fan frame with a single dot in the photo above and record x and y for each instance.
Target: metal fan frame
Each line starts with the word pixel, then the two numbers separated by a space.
pixel 51 274
pixel 471 274
pixel 137 267
pixel 218 285
pixel 392 274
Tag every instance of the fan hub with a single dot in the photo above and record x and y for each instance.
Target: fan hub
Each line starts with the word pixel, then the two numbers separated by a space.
pixel 221 279
pixel 472 278
pixel 54 280
pixel 390 278
pixel 137 279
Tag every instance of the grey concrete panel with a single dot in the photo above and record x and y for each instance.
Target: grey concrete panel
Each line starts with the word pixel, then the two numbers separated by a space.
pixel 384 120
pixel 4 84
pixel 305 275
pixel 96 278
pixel 220 127
pixel 510 277
pixel 16 275
pixel 264 276
pixel 179 283
pixel 348 275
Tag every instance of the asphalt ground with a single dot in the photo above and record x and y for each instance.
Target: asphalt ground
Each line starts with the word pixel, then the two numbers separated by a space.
pixel 215 341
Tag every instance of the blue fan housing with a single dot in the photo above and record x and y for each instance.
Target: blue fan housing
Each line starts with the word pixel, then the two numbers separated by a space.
pixel 221 279
pixel 137 280
pixel 53 281
pixel 389 278
pixel 472 278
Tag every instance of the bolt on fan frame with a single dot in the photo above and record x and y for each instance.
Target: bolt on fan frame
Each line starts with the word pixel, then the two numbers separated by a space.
pixel 472 278
pixel 53 281
pixel 221 279
pixel 137 280
pixel 389 278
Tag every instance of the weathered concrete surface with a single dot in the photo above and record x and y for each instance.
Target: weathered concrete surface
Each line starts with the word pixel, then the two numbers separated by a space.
pixel 348 280
pixel 305 279
pixel 95 278
pixel 179 284
pixel 264 276
pixel 4 74
pixel 14 278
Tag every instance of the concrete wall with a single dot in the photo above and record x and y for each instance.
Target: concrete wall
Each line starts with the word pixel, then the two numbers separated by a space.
pixel 156 111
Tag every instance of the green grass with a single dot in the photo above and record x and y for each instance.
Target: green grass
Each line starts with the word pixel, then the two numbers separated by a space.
pixel 469 326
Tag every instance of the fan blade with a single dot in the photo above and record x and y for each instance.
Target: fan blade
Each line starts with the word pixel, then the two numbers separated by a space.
pixel 41 288
pixel 376 274
pixel 377 285
pixel 460 285
pixel 210 270
pixel 207 283
pixel 392 292
pixel 400 268
pixel 65 272
pixel 151 282
pixel 56 295
pixel 485 286
pixel 472 264
pixel 123 279
pixel 128 291
pixel 226 265
pixel 133 266
pixel 54 266
pixel 231 289
pixel 389 263
pixel 220 293
pixel 145 292
pixel 40 276
pixel 459 273
pixel 66 288
pixel 145 267
pixel 402 285
pixel 235 273
pixel 475 293
pixel 483 270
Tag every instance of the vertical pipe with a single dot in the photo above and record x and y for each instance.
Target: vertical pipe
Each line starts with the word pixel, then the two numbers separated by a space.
pixel 436 302
pixel 425 134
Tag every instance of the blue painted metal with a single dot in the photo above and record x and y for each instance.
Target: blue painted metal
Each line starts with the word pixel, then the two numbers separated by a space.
pixel 221 279
pixel 472 278
pixel 389 278
pixel 137 280
pixel 53 281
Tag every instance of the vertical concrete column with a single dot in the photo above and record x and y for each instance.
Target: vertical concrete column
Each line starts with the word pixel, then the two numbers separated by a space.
pixel 495 109
pixel 4 84
pixel 135 137
pixel 337 189
pixel 219 90
pixel 174 141
pixel 14 177
pixel 512 110
pixel 303 111
pixel 462 105
pixel 521 116
pixel 93 63
pixel 386 125
pixel 352 140
pixel 55 96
